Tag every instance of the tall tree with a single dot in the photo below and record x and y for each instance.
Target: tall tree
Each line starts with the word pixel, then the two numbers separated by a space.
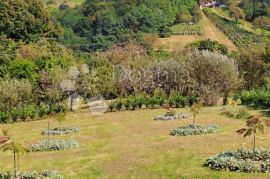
pixel 25 20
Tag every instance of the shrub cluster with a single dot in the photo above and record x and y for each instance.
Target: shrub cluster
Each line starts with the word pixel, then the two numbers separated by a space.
pixel 194 130
pixel 240 114
pixel 213 46
pixel 5 176
pixel 242 160
pixel 170 116
pixel 52 145
pixel 30 112
pixel 60 131
pixel 255 98
pixel 136 102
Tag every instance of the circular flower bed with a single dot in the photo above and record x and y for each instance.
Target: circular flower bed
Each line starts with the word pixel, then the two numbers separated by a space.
pixel 51 145
pixel 169 117
pixel 242 160
pixel 60 131
pixel 194 130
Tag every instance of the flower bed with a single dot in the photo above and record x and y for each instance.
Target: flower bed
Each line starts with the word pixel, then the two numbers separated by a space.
pixel 166 117
pixel 52 145
pixel 44 174
pixel 60 131
pixel 242 160
pixel 48 174
pixel 194 130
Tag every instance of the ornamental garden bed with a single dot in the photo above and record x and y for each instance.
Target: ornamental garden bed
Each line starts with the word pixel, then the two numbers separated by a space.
pixel 53 145
pixel 60 131
pixel 194 130
pixel 242 160
pixel 171 116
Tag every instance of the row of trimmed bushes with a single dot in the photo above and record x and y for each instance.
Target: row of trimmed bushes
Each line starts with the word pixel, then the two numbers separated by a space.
pixel 255 98
pixel 133 102
pixel 30 112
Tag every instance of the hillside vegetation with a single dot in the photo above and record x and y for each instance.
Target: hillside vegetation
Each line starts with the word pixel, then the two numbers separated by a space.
pixel 103 89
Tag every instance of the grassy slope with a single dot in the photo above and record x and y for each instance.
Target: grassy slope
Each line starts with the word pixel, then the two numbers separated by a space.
pixel 209 32
pixel 131 144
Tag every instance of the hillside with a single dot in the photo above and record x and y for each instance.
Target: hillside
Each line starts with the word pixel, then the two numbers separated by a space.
pixel 241 22
pixel 162 89
pixel 179 42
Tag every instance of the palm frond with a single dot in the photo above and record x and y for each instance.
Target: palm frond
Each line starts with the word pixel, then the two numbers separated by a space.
pixel 18 148
pixel 248 132
pixel 241 131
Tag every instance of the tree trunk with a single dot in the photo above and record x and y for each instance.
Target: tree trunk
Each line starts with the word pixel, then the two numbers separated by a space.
pixel 18 163
pixel 254 142
pixel 193 121
pixel 49 136
pixel 14 160
pixel 71 101
pixel 225 100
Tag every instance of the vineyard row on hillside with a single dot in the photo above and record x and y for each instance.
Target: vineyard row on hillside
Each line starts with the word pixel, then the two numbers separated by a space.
pixel 239 36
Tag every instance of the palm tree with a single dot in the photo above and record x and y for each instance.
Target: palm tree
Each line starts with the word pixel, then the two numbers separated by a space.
pixel 195 110
pixel 254 125
pixel 15 148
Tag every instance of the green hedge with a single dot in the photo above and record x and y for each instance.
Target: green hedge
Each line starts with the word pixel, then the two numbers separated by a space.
pixel 255 98
pixel 30 112
pixel 136 102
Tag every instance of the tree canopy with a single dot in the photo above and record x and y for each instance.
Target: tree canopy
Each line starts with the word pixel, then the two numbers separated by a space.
pixel 25 20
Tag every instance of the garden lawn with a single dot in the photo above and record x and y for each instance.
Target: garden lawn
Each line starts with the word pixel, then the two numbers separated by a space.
pixel 130 144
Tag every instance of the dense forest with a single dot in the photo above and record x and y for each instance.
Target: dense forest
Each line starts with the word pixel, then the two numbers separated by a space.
pixel 96 25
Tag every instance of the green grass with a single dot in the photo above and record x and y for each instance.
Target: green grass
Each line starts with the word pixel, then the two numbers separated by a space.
pixel 130 144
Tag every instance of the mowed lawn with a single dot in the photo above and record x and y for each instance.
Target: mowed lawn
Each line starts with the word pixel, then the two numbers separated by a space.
pixel 130 144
